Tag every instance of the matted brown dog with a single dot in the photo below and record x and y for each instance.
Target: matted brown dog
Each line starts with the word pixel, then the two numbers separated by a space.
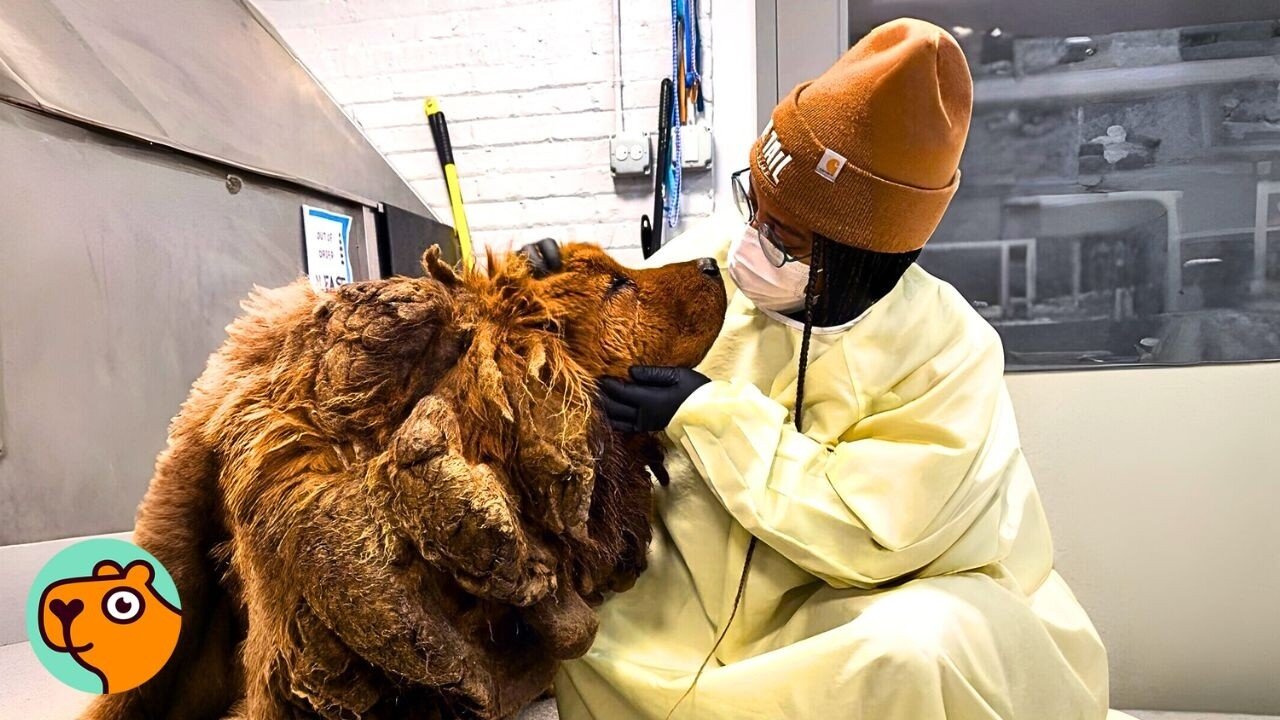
pixel 398 499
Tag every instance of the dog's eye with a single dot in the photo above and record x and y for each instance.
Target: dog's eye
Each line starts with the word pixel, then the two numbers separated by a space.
pixel 619 283
pixel 122 605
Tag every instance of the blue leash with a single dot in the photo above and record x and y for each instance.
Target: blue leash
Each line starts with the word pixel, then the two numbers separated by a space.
pixel 674 174
pixel 692 69
pixel 686 45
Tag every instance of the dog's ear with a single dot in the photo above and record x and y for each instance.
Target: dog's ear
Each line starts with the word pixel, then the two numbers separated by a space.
pixel 434 266
pixel 543 256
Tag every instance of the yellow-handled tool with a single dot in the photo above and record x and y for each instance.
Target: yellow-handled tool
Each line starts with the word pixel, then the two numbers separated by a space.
pixel 444 149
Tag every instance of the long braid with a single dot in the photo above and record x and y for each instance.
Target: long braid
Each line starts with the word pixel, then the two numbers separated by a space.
pixel 871 276
pixel 858 278
pixel 813 293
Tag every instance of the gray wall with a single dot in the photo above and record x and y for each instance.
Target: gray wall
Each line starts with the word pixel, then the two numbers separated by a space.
pixel 119 269
pixel 1162 488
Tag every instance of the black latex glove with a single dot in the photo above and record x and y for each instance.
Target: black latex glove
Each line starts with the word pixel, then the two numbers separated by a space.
pixel 543 256
pixel 648 402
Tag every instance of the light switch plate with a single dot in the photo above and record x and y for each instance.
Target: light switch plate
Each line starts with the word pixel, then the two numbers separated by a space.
pixel 696 146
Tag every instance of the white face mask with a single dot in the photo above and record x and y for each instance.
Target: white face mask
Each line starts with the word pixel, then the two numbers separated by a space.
pixel 780 289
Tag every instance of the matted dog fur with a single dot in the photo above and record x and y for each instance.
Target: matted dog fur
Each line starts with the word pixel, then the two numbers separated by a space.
pixel 398 499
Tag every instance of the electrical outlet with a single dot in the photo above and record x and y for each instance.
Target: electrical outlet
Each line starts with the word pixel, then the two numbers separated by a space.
pixel 695 146
pixel 630 154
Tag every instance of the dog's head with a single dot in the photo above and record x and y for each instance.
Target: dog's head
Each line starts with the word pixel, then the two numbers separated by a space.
pixel 542 326
pixel 612 316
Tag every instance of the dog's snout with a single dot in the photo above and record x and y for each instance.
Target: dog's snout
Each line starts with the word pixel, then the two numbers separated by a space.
pixel 708 267
pixel 66 612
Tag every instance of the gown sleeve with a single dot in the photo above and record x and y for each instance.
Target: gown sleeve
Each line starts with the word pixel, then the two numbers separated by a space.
pixel 883 502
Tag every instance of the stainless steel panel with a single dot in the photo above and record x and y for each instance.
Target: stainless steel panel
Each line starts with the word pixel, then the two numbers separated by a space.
pixel 60 69
pixel 203 76
pixel 121 267
pixel 2 412
pixel 371 264
pixel 11 86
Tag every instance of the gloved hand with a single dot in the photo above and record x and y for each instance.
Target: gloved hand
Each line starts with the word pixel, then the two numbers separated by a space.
pixel 650 400
pixel 543 256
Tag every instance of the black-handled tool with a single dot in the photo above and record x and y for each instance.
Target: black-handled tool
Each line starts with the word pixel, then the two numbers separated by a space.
pixel 651 231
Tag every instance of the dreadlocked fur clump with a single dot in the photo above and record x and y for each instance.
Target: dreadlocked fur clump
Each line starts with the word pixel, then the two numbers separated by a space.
pixel 398 499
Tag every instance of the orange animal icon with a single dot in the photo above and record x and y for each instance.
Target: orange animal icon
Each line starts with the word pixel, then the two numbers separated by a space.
pixel 112 623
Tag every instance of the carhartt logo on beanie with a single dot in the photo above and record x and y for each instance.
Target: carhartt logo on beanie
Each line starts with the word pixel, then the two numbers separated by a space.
pixel 830 164
pixel 868 154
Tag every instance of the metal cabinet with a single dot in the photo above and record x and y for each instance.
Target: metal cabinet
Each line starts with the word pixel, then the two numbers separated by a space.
pixel 150 176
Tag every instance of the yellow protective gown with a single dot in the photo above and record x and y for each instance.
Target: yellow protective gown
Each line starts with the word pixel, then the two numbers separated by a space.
pixel 904 569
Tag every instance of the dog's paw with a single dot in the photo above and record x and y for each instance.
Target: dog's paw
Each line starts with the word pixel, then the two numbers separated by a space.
pixel 495 558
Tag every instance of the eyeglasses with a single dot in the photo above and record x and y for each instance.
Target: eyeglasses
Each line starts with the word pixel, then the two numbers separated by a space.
pixel 742 194
pixel 770 244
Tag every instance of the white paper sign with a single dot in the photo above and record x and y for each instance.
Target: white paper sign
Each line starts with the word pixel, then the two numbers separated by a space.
pixel 325 236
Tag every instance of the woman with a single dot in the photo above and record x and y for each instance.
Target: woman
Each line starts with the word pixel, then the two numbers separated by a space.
pixel 851 530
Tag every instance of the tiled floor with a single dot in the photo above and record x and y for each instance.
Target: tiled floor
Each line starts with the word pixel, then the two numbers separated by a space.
pixel 28 692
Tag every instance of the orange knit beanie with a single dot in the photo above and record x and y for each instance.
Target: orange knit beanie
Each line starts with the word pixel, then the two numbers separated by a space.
pixel 868 153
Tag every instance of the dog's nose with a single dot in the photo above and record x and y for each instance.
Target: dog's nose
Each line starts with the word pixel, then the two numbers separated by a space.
pixel 708 267
pixel 66 612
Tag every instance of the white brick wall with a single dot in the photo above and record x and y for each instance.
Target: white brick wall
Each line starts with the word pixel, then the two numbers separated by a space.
pixel 527 86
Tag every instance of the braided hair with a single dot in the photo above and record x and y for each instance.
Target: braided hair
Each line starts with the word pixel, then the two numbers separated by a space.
pixel 844 281
pixel 864 277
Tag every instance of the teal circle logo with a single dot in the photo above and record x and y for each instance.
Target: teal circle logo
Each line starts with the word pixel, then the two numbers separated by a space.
pixel 103 616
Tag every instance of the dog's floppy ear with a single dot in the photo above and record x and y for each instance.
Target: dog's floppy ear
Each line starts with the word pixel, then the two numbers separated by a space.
pixel 543 257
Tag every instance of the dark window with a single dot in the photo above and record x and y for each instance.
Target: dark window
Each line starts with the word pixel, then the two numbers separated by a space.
pixel 1120 201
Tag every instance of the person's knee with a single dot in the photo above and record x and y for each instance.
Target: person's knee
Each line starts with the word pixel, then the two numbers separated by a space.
pixel 918 627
